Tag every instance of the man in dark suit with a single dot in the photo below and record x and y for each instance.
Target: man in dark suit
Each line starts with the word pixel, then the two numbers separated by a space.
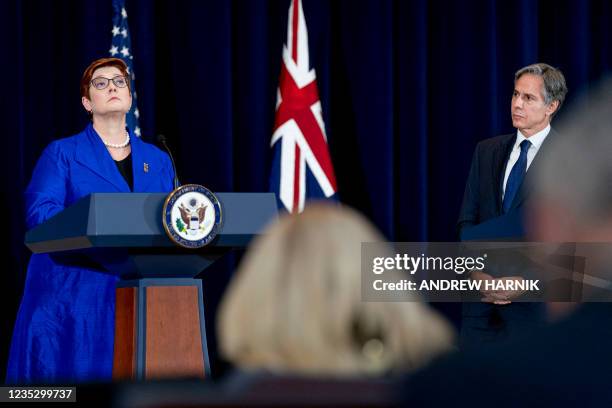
pixel 569 362
pixel 496 185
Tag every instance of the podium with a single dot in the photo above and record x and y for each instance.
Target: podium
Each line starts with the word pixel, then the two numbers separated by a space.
pixel 159 315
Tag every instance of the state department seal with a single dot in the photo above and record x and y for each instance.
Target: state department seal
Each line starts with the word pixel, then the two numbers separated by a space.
pixel 192 216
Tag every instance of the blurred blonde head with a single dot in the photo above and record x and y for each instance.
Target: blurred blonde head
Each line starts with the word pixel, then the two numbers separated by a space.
pixel 295 304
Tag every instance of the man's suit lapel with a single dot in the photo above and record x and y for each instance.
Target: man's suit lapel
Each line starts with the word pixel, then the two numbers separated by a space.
pixel 525 188
pixel 500 158
pixel 93 154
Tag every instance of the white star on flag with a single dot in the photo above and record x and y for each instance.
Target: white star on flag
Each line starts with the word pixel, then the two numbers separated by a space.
pixel 136 113
pixel 124 33
pixel 137 131
pixel 123 13
pixel 115 31
pixel 114 50
pixel 125 52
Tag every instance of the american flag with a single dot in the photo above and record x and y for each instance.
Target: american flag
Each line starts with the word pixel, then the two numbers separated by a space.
pixel 121 48
pixel 302 167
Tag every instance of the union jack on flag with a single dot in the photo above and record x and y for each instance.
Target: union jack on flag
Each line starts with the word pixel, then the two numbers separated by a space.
pixel 302 167
pixel 121 48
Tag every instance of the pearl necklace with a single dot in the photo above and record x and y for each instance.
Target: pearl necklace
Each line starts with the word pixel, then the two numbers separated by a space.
pixel 118 145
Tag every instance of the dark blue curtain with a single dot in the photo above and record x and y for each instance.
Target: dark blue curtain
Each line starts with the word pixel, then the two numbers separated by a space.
pixel 408 88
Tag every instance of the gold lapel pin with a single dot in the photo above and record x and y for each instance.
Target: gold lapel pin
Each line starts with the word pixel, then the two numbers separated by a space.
pixel 146 167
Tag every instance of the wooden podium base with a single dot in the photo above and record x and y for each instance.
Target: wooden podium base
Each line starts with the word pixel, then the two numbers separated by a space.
pixel 160 330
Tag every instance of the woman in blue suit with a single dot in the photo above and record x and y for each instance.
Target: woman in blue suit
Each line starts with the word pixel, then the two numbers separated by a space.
pixel 65 326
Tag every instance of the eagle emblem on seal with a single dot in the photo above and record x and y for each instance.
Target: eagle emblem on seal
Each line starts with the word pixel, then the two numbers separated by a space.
pixel 192 215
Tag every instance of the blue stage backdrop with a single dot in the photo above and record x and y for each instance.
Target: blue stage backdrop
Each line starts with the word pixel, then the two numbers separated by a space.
pixel 407 87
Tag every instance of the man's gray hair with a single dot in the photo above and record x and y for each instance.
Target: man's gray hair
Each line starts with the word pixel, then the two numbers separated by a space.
pixel 554 82
pixel 576 171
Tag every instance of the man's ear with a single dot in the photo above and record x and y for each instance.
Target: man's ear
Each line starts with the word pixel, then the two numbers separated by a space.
pixel 86 104
pixel 552 108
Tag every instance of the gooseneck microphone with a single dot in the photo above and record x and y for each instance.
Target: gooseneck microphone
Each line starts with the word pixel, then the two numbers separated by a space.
pixel 162 139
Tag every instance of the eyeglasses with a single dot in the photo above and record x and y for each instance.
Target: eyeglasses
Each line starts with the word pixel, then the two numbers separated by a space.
pixel 101 83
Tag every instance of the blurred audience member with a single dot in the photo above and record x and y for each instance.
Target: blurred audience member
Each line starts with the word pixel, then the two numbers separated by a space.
pixel 295 305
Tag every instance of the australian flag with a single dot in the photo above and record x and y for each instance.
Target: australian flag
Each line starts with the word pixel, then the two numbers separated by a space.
pixel 121 47
pixel 302 167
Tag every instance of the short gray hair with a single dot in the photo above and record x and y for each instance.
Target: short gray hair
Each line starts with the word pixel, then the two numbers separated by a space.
pixel 554 82
pixel 577 168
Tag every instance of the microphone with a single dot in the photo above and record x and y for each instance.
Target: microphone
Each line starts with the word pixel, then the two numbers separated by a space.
pixel 162 139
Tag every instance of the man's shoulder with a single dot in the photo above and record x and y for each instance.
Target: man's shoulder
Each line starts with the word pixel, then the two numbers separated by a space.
pixel 497 140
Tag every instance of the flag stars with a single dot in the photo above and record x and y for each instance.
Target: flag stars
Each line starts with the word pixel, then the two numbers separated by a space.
pixel 120 48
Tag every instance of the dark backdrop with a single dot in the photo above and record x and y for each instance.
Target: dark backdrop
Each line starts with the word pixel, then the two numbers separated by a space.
pixel 408 88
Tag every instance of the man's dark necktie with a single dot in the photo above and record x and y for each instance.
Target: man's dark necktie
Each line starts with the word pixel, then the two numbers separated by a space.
pixel 517 174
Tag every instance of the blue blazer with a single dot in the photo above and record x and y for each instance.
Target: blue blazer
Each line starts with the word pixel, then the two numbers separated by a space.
pixel 65 324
